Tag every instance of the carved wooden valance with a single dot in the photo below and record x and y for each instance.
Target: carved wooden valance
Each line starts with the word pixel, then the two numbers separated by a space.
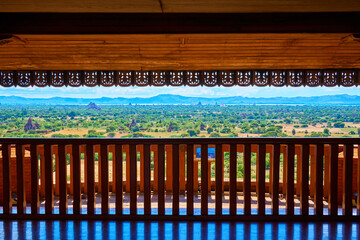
pixel 260 78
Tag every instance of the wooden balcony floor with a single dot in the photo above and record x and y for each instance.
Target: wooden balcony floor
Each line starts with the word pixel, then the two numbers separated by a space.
pixel 175 230
pixel 168 205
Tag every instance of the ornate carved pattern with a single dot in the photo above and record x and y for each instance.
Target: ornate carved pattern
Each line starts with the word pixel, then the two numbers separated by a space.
pixel 295 78
pixel 227 78
pixel 330 78
pixel 193 78
pixel 74 78
pixel 261 78
pixel 243 78
pixel 141 79
pixel 41 78
pixel 278 78
pixel 347 78
pixel 210 78
pixel 57 78
pixel 7 78
pixel 176 78
pixel 313 78
pixel 90 78
pixel 158 78
pixel 107 78
pixel 24 78
pixel 124 78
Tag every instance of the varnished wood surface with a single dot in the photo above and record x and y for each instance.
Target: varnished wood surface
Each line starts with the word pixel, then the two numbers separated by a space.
pixel 167 6
pixel 180 51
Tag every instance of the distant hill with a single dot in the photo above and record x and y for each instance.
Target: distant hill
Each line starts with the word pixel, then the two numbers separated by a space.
pixel 177 99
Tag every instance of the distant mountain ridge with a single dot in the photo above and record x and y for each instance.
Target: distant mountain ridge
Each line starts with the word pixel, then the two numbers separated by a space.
pixel 164 99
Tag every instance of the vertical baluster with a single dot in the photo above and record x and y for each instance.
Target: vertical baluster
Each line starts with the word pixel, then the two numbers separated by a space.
pixel 119 178
pixel 90 179
pixel 34 179
pixel 7 203
pixel 76 179
pixel 147 180
pixel 175 183
pixel 218 179
pixel 233 182
pixel 48 168
pixel 290 180
pixel 260 179
pixel 347 180
pixel 161 179
pixel 190 180
pixel 204 179
pixel 182 168
pixel 105 179
pixel 247 179
pixel 63 205
pixel 21 201
pixel 318 199
pixel 304 192
pixel 275 168
pixel 133 179
pixel 333 197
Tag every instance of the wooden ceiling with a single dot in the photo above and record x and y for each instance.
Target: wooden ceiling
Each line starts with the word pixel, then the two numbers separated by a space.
pixel 180 51
pixel 179 6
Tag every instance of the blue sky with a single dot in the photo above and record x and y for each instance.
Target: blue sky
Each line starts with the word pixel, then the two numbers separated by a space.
pixel 97 92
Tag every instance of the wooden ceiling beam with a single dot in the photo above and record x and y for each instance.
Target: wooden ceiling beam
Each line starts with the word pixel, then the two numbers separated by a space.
pixel 160 23
pixel 180 51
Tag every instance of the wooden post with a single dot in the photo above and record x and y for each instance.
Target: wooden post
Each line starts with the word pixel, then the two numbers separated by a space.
pixel 247 179
pixel 48 168
pixel 260 178
pixel 147 180
pixel 204 179
pixel 175 178
pixel 182 167
pixel 275 167
pixel 219 170
pixel 347 180
pixel 169 166
pixel 304 191
pixel 119 178
pixel 190 180
pixel 7 202
pixel 63 205
pixel 21 202
pixel 35 203
pixel 318 199
pixel 233 180
pixel 290 181
pixel 90 179
pixel 161 179
pixel 76 178
pixel 333 180
pixel 105 179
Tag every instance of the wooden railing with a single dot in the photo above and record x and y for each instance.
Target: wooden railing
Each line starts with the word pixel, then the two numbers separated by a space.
pixel 303 172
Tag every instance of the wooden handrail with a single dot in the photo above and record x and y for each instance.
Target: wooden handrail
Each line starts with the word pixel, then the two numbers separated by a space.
pixel 314 174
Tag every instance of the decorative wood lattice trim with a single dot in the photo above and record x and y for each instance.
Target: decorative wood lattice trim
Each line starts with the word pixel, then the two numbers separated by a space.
pixel 260 78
